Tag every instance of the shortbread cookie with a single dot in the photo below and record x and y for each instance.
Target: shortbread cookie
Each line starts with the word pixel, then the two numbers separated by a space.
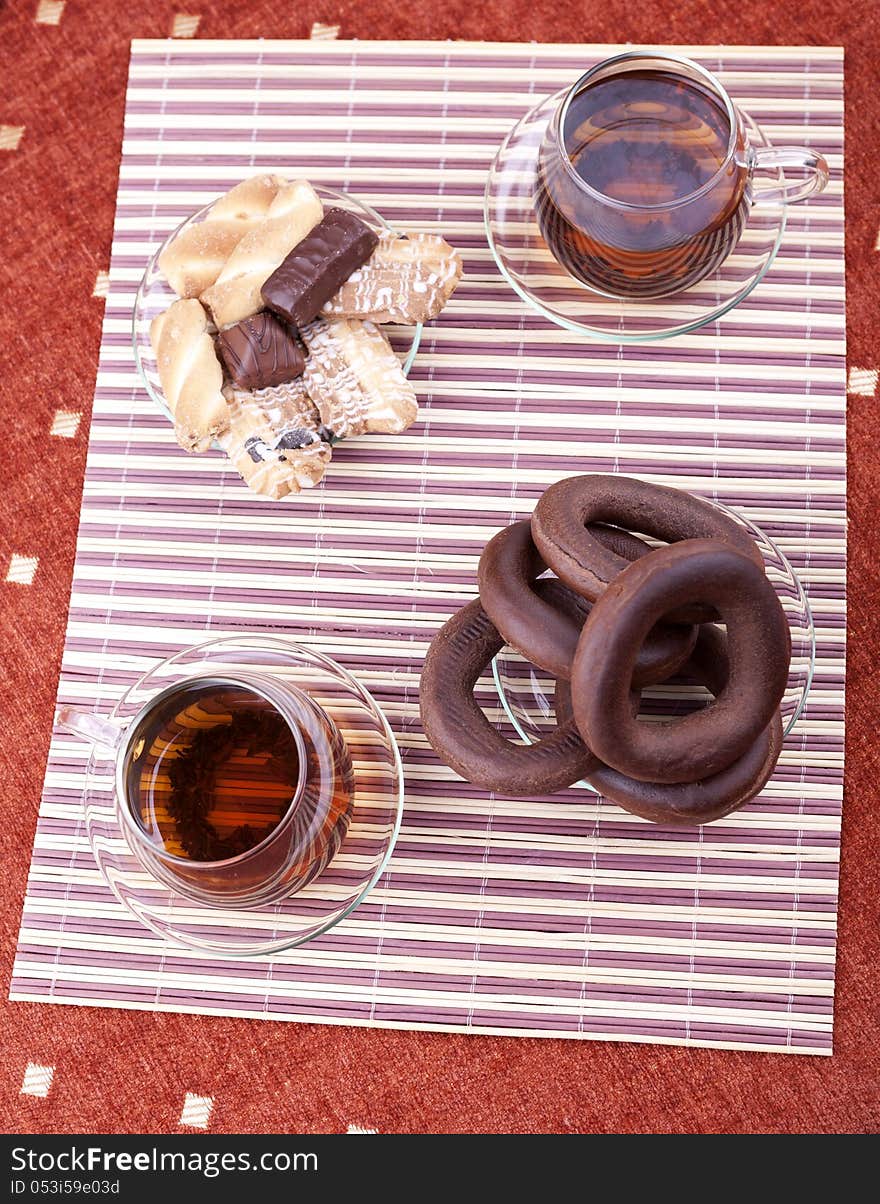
pixel 355 379
pixel 236 292
pixel 275 439
pixel 190 374
pixel 195 258
pixel 407 279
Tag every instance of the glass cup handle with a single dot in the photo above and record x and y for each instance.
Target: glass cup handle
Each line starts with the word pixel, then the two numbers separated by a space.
pixel 810 161
pixel 103 734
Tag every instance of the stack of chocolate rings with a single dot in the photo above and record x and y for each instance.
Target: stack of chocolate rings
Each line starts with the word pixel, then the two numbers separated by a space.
pixel 618 616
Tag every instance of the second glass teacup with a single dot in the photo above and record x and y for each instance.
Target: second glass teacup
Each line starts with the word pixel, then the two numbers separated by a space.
pixel 646 176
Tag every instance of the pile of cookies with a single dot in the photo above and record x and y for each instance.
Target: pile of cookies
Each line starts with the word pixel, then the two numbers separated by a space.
pixel 274 348
pixel 618 616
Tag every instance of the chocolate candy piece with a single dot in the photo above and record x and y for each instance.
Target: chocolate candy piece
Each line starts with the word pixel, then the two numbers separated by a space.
pixel 316 267
pixel 260 352
pixel 706 742
pixel 507 574
pixel 677 804
pixel 463 736
pixel 561 516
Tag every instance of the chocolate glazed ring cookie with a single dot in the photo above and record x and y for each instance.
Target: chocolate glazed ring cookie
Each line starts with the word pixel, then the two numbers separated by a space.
pixel 547 636
pixel 463 736
pixel 712 797
pixel 566 509
pixel 699 745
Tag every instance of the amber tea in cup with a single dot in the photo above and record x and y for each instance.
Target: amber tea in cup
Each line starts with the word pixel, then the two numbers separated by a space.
pixel 216 772
pixel 232 790
pixel 645 176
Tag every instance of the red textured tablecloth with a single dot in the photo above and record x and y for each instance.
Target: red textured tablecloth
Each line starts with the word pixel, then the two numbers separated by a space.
pixel 64 68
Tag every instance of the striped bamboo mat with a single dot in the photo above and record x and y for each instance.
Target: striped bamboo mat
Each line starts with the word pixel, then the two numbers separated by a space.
pixel 496 915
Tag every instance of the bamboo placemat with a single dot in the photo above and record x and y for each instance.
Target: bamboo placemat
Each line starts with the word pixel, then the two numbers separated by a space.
pixel 496 915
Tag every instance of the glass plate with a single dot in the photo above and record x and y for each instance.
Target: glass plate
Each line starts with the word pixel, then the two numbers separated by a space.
pixel 155 294
pixel 529 267
pixel 526 692
pixel 355 868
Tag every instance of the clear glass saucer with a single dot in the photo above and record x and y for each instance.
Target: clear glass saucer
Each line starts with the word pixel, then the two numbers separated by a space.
pixel 529 267
pixel 355 867
pixel 527 692
pixel 155 294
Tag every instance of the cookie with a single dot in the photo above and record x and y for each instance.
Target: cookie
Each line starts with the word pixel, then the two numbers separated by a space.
pixel 407 279
pixel 355 379
pixel 275 439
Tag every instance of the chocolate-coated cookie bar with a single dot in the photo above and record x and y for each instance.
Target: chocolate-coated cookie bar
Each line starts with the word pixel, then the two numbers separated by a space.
pixel 316 267
pixel 260 352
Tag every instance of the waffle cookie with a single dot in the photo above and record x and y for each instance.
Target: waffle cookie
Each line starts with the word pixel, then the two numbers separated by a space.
pixel 355 379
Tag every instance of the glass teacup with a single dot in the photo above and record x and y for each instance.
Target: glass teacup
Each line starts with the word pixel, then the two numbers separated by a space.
pixel 233 788
pixel 646 176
